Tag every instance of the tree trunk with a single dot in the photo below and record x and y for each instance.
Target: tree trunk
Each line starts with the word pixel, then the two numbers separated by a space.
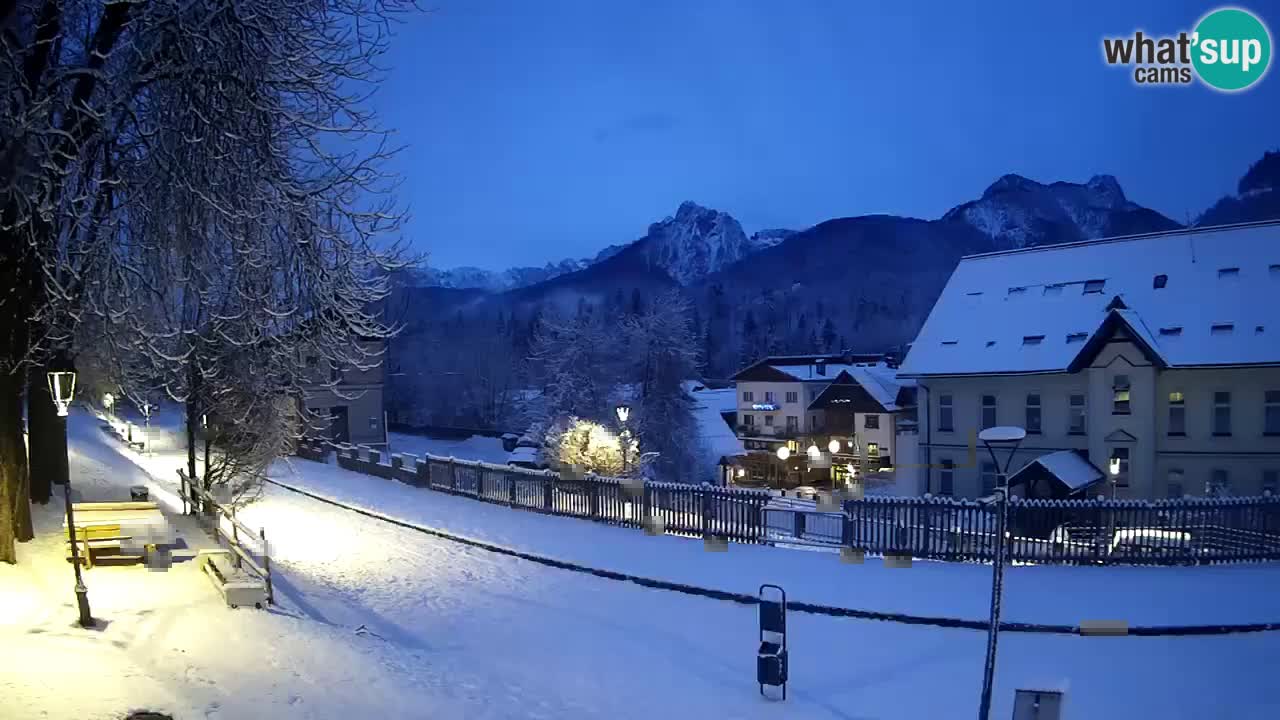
pixel 46 438
pixel 15 506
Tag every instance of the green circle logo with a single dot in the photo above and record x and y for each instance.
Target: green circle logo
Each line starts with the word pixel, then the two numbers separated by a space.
pixel 1232 49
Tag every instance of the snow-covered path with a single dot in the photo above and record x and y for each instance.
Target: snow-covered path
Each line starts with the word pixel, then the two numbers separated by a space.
pixel 377 618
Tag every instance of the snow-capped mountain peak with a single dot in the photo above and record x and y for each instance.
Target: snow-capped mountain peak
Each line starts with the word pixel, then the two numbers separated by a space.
pixel 694 243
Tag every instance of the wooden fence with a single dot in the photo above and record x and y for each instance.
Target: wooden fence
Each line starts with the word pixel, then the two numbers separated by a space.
pixel 249 550
pixel 1070 532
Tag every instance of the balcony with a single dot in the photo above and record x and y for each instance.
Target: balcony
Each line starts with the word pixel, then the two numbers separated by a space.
pixel 769 432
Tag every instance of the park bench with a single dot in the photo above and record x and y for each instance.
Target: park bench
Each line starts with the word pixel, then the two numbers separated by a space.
pixel 113 529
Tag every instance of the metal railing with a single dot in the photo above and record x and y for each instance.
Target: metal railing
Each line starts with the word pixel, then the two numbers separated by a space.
pixel 1070 532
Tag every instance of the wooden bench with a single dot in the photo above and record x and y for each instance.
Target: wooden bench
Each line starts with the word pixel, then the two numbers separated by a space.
pixel 103 528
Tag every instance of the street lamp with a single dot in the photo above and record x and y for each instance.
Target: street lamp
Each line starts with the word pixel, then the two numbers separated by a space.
pixel 834 446
pixel 109 402
pixel 62 387
pixel 623 411
pixel 1003 437
pixel 784 452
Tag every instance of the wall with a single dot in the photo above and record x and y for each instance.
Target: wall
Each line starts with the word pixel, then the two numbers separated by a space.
pixel 779 390
pixel 1245 455
pixel 364 412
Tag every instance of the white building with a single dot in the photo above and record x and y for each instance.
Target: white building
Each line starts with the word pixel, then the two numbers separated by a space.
pixel 805 402
pixel 1156 356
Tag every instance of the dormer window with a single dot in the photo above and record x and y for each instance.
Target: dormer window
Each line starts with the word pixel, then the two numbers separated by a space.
pixel 1094 286
pixel 1221 328
pixel 1171 331
pixel 949 342
pixel 1017 290
pixel 991 343
pixel 1228 272
pixel 1032 339
pixel 1160 281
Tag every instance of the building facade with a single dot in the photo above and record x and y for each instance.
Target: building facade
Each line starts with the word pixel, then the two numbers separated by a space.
pixel 810 404
pixel 1156 358
pixel 347 405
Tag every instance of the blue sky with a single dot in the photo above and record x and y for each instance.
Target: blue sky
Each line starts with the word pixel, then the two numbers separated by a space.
pixel 538 131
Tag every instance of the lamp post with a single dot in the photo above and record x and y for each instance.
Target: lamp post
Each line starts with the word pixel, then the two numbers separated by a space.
pixel 623 412
pixel 1005 437
pixel 109 401
pixel 62 387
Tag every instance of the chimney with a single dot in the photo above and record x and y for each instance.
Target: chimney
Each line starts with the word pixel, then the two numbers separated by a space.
pixel 821 366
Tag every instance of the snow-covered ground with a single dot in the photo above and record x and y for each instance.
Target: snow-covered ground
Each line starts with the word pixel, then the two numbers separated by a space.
pixel 377 620
pixel 476 447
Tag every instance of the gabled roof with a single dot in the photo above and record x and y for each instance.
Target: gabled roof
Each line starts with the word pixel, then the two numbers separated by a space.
pixel 1066 468
pixel 847 395
pixel 1199 297
pixel 872 388
pixel 802 368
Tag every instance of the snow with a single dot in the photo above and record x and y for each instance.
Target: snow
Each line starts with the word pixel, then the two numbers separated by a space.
pixel 881 381
pixel 1074 471
pixel 718 439
pixel 475 447
pixel 377 620
pixel 977 306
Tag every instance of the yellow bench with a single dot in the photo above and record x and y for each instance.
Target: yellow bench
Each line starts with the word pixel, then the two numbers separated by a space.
pixel 104 526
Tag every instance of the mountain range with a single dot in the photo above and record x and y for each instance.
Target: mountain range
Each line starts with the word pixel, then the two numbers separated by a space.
pixel 864 282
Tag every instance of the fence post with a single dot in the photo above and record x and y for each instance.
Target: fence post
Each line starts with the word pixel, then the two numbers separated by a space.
pixel 797 524
pixel 594 499
pixel 548 492
pixel 479 482
pixel 511 488
pixel 235 537
pixel 266 566
pixel 453 474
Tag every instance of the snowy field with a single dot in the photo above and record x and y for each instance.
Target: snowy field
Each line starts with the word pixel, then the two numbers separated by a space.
pixel 380 621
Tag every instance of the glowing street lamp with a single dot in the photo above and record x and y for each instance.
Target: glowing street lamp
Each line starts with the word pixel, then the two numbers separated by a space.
pixel 109 402
pixel 784 452
pixel 62 387
pixel 624 412
pixel 834 446
pixel 813 451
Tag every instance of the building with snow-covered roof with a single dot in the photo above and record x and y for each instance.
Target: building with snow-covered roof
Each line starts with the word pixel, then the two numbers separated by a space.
pixel 1154 356
pixel 805 402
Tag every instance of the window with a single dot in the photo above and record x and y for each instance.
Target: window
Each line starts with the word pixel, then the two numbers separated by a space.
pixel 1120 463
pixel 871 421
pixel 946 478
pixel 988 411
pixel 1120 395
pixel 1177 414
pixel 768 420
pixel 944 413
pixel 1271 412
pixel 1094 286
pixel 748 419
pixel 1228 272
pixel 1159 281
pixel 1221 328
pixel 793 423
pixel 988 478
pixel 768 396
pixel 748 396
pixel 1219 483
pixel 373 423
pixel 793 397
pixel 1221 414
pixel 1171 331
pixel 1033 414
pixel 1075 415
pixel 1032 339
pixel 813 394
pixel 312 360
pixel 1173 488
pixel 1052 289
pixel 1270 481
pixel 873 451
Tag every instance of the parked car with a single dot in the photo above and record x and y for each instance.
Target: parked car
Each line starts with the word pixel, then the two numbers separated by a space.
pixel 526 456
pixel 1151 542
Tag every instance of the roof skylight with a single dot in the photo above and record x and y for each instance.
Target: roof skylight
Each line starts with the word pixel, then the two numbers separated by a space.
pixel 1221 328
pixel 1171 330
pixel 1032 339
pixel 1228 272
pixel 1159 281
